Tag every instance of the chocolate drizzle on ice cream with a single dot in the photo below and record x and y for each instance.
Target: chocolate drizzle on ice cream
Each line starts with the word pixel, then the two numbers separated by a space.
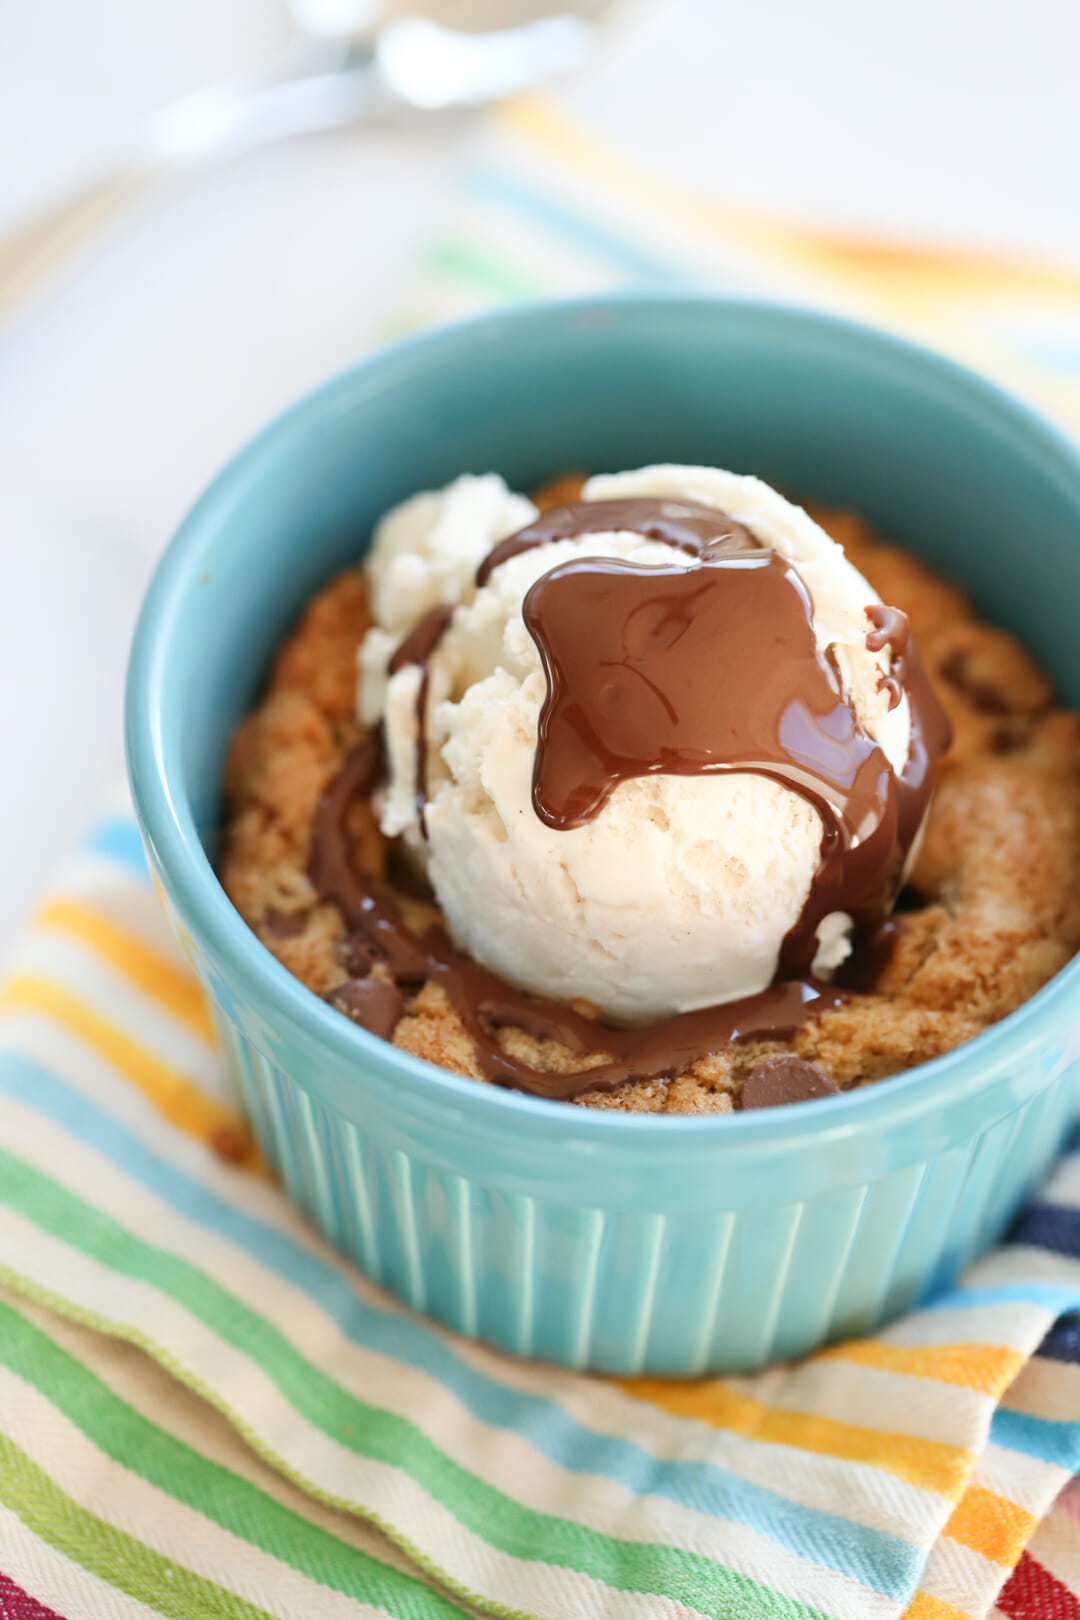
pixel 417 648
pixel 686 525
pixel 889 629
pixel 690 671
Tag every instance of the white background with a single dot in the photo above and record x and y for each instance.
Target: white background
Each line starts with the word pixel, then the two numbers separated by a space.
pixel 134 375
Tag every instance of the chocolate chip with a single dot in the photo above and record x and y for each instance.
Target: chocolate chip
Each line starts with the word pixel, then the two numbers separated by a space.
pixel 872 954
pixel 1011 739
pixel 285 924
pixel 231 1142
pixel 784 1079
pixel 911 899
pixel 374 1004
pixel 983 697
pixel 406 876
pixel 361 956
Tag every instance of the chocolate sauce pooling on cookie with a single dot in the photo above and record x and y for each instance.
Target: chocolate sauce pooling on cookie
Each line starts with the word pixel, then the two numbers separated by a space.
pixel 484 1003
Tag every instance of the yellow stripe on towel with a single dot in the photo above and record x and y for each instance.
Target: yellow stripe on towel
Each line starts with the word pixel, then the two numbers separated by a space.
pixel 926 1463
pixel 991 1525
pixel 924 1606
pixel 988 1369
pixel 171 1092
pixel 878 264
pixel 174 987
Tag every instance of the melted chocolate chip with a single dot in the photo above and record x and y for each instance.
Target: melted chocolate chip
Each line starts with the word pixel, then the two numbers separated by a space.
pixel 872 951
pixel 983 697
pixel 361 955
pixel 232 1142
pixel 285 924
pixel 374 1004
pixel 406 876
pixel 910 899
pixel 1012 739
pixel 784 1079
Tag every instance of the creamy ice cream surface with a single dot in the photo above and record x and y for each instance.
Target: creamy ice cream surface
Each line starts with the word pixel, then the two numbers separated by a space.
pixel 679 891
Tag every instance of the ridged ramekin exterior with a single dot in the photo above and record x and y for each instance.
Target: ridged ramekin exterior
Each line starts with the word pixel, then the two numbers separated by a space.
pixel 608 1240
pixel 632 1291
pixel 622 1288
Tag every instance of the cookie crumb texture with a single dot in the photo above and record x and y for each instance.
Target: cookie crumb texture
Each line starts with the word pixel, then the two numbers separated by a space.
pixel 991 911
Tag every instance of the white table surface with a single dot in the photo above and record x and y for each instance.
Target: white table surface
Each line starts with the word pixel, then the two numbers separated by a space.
pixel 128 382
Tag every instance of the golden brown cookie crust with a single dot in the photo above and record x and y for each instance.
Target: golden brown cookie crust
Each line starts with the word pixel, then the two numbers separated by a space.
pixel 994 897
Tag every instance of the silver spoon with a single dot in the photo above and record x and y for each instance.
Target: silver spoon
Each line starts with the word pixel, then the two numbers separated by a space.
pixel 341 74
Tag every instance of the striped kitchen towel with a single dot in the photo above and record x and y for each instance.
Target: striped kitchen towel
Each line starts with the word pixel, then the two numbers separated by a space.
pixel 205 1412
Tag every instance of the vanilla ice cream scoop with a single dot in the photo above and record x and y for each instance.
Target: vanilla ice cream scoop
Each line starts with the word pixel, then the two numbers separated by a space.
pixel 671 743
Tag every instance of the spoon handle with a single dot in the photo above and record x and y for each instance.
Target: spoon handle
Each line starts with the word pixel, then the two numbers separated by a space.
pixel 411 63
pixel 211 125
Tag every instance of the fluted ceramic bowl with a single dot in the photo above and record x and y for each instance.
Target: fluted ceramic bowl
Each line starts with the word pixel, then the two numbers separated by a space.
pixel 620 1242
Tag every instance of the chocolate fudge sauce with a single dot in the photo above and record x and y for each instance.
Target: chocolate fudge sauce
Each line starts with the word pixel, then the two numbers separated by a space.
pixel 685 524
pixel 485 1003
pixel 417 648
pixel 420 643
pixel 690 671
pixel 715 668
pixel 890 629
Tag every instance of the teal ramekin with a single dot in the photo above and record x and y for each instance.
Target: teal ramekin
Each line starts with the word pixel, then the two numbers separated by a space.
pixel 618 1242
